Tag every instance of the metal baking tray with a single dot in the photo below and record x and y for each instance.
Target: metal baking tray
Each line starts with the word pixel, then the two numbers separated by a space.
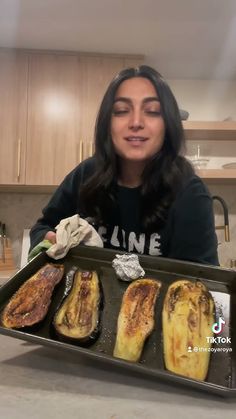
pixel 221 283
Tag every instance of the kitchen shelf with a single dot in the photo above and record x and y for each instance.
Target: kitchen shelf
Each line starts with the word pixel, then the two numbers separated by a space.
pixel 218 175
pixel 37 189
pixel 214 130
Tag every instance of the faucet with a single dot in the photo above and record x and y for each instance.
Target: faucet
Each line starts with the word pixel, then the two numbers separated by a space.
pixel 224 227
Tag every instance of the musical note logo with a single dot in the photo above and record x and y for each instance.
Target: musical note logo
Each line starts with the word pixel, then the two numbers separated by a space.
pixel 218 326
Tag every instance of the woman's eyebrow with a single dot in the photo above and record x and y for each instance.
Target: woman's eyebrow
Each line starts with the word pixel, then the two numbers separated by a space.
pixel 128 100
pixel 151 99
pixel 122 99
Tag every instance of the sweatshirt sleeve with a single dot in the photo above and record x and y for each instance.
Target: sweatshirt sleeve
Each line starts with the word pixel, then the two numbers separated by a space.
pixel 63 204
pixel 192 227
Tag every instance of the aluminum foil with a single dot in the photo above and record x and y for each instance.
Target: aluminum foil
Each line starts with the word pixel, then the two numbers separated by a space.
pixel 127 267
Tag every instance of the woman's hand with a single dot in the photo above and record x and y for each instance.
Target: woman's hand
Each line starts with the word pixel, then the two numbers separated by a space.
pixel 51 236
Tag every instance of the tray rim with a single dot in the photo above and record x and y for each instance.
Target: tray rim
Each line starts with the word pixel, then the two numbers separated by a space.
pixel 165 375
pixel 168 377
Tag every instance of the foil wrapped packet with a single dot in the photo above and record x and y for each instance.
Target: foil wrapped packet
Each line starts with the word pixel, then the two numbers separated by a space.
pixel 127 267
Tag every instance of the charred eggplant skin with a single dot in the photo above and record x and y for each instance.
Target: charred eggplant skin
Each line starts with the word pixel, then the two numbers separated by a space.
pixel 136 318
pixel 187 317
pixel 77 319
pixel 30 303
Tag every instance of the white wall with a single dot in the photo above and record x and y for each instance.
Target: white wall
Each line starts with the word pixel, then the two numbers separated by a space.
pixel 206 100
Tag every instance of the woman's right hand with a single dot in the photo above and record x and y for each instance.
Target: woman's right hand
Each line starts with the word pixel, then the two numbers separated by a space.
pixel 51 236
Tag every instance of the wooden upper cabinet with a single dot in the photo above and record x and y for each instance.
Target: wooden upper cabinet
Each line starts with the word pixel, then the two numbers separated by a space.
pixel 13 112
pixel 48 107
pixel 132 61
pixel 97 73
pixel 54 112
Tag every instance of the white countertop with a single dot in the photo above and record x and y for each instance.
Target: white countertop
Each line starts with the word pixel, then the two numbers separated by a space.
pixel 5 276
pixel 39 382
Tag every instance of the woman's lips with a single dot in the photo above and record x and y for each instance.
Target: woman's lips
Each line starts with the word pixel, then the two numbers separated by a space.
pixel 136 139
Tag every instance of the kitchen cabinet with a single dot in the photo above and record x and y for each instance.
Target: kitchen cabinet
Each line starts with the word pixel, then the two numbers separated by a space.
pixel 13 116
pixel 64 94
pixel 222 133
pixel 49 102
pixel 48 107
pixel 97 73
pixel 54 117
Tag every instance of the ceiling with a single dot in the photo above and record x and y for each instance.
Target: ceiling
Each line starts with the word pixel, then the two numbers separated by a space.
pixel 194 39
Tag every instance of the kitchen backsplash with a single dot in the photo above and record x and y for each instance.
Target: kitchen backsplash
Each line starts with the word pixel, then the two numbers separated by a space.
pixel 20 211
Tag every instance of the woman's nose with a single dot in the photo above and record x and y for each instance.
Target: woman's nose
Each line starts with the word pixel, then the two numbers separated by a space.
pixel 136 120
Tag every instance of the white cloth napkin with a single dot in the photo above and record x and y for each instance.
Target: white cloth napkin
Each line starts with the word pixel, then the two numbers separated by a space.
pixel 69 233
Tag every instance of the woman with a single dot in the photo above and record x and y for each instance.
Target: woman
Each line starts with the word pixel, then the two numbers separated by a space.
pixel 138 190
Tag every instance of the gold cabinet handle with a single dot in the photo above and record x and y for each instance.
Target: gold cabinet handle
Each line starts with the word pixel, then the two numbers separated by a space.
pixel 18 158
pixel 91 149
pixel 81 151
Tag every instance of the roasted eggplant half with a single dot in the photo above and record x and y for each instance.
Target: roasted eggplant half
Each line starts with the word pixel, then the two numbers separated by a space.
pixel 136 318
pixel 78 317
pixel 29 305
pixel 187 318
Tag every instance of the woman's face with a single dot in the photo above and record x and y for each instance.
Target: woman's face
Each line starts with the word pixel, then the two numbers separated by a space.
pixel 137 126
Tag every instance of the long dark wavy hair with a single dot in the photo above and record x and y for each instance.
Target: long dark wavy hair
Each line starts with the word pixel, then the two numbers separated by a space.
pixel 162 177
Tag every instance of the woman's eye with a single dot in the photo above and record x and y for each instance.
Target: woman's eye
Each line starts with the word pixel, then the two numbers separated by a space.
pixel 153 112
pixel 120 111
